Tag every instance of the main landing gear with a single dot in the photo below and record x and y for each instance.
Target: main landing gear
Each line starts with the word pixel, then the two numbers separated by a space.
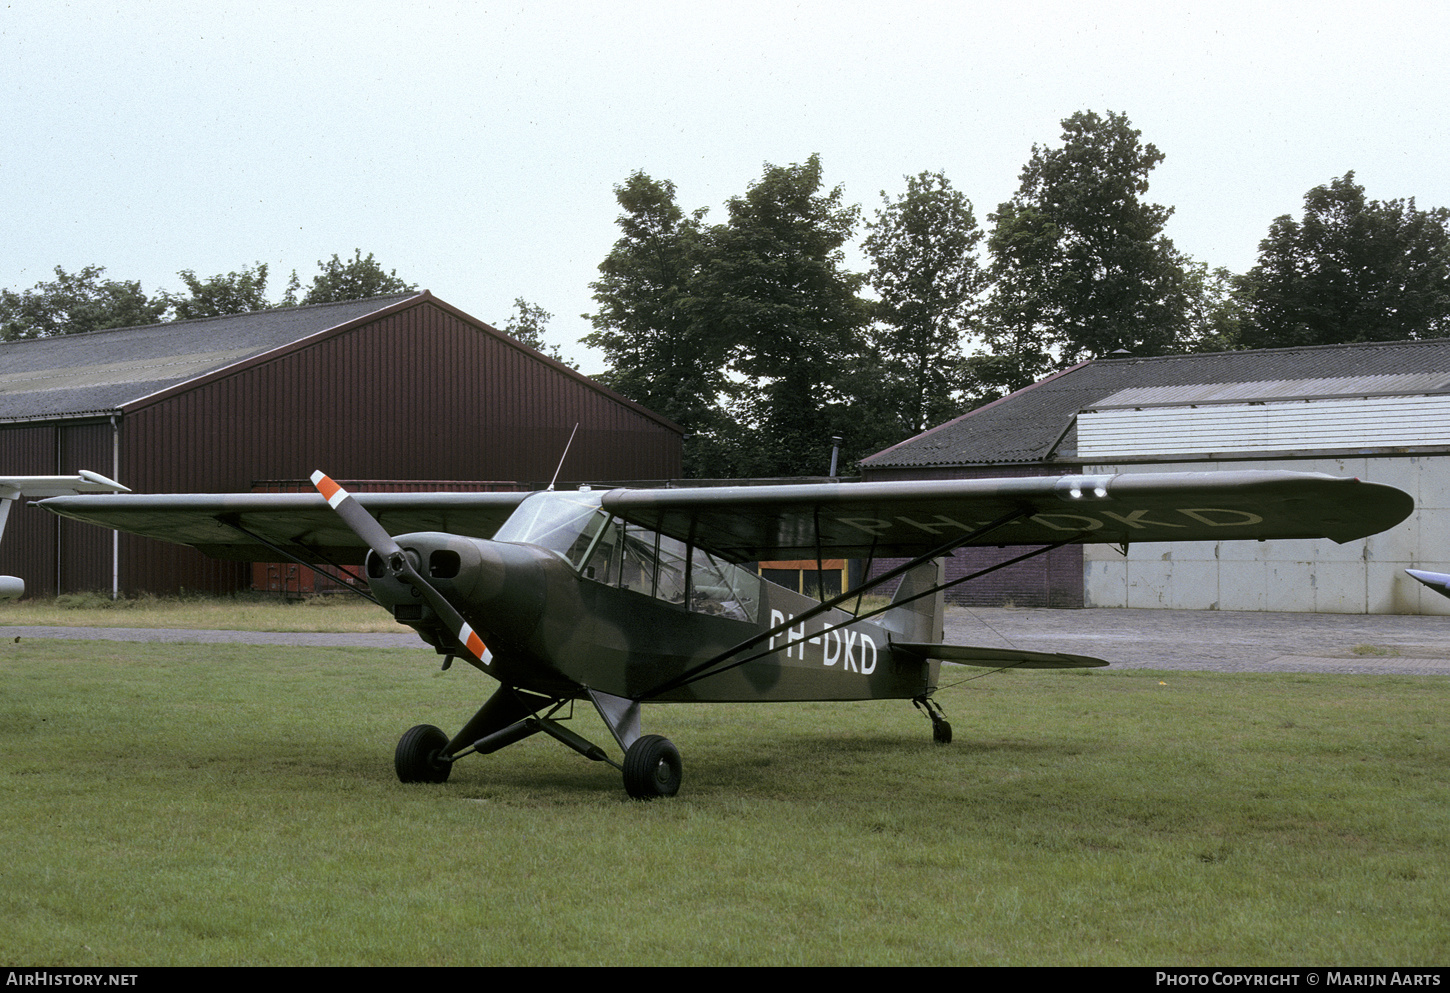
pixel 416 757
pixel 651 767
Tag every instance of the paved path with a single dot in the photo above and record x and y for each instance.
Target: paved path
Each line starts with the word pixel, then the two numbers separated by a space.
pixel 1223 641
pixel 1218 640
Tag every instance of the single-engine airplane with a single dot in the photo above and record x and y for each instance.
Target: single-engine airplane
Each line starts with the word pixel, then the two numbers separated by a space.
pixel 632 596
pixel 12 488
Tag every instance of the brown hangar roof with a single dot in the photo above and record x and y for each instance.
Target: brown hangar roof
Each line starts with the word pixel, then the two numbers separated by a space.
pixel 100 372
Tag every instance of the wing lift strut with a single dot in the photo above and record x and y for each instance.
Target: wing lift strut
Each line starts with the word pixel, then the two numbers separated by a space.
pixel 350 583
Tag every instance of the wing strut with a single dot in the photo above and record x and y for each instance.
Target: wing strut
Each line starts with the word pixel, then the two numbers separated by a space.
pixel 706 668
pixel 230 521
pixel 697 676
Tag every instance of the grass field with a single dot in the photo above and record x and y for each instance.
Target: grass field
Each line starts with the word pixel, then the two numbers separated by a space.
pixel 171 804
pixel 340 612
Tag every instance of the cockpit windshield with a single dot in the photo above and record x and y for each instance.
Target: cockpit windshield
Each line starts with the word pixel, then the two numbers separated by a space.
pixel 563 522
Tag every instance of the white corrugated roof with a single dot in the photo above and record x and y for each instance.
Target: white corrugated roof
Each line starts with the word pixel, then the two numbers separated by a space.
pixel 1393 384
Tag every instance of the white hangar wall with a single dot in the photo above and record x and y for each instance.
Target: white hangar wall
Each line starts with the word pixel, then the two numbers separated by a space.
pixel 1359 577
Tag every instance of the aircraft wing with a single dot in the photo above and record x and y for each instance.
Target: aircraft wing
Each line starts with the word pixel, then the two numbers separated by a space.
pixel 301 523
pixel 833 520
pixel 13 487
pixel 852 520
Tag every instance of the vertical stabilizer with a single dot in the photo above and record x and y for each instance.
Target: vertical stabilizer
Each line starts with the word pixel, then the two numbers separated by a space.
pixel 920 620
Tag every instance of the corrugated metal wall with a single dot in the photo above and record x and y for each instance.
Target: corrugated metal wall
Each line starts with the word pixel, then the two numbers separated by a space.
pixel 1365 576
pixel 420 394
pixel 85 551
pixel 1353 423
pixel 27 548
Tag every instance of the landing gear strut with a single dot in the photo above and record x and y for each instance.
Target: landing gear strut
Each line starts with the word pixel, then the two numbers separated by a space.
pixel 941 730
pixel 651 768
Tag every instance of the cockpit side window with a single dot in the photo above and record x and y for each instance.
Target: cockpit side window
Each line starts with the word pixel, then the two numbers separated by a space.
pixel 603 565
pixel 637 560
pixel 672 574
pixel 634 558
pixel 718 587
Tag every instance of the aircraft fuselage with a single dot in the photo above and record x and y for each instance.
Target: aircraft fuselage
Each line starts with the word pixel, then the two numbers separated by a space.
pixel 608 606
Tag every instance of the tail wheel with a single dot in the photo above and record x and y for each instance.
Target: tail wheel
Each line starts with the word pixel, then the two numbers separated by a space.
pixel 416 758
pixel 652 768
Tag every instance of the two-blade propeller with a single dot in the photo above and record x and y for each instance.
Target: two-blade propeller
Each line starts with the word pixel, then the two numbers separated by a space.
pixel 396 561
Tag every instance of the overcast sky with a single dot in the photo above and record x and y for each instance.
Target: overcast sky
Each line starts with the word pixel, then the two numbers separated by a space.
pixel 474 147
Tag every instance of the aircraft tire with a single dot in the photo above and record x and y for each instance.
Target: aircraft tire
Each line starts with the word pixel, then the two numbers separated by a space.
pixel 652 768
pixel 941 732
pixel 416 758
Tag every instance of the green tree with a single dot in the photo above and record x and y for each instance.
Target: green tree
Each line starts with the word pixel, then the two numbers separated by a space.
pixel 529 324
pixel 290 295
pixel 232 293
pixel 772 284
pixel 357 279
pixel 1218 307
pixel 924 268
pixel 1080 266
pixel 658 354
pixel 76 302
pixel 1351 270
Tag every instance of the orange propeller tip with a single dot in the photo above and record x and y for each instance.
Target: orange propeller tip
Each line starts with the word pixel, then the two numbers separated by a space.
pixel 330 491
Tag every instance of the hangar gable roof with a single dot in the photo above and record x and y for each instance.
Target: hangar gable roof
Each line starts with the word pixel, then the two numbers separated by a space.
pixel 99 372
pixel 1038 424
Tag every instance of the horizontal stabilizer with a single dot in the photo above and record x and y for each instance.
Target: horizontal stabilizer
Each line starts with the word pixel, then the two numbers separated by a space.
pixel 994 658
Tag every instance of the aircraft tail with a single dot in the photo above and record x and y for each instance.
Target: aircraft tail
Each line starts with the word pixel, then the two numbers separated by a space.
pixel 921 620
pixel 917 630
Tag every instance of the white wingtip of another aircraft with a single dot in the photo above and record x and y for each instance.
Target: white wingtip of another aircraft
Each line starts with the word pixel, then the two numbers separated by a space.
pixel 12 488
pixel 1437 581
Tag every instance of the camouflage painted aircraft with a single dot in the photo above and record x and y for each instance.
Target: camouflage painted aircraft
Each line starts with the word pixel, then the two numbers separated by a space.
pixel 632 596
pixel 13 488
